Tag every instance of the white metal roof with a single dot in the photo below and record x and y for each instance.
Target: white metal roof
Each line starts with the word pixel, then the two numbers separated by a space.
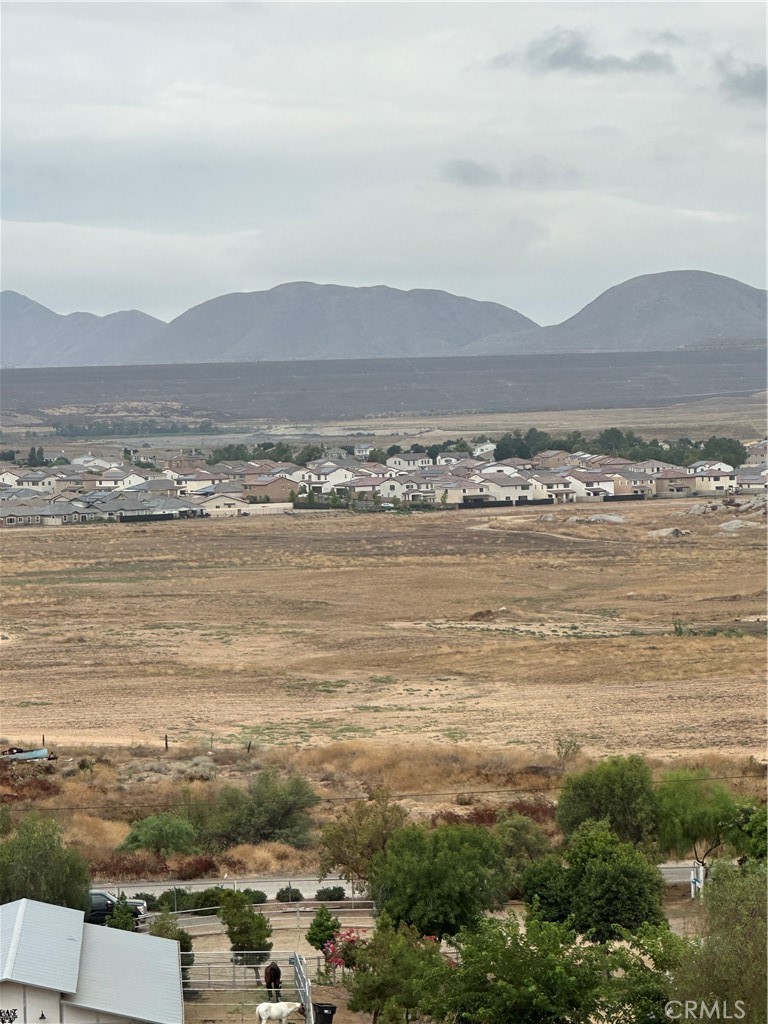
pixel 27 928
pixel 136 976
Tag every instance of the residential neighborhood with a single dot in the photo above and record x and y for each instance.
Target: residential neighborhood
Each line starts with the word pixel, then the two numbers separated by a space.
pixel 182 484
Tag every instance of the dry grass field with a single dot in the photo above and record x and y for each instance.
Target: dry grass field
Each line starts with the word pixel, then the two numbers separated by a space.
pixel 302 633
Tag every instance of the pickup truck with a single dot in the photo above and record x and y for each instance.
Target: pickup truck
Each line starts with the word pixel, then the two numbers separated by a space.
pixel 103 906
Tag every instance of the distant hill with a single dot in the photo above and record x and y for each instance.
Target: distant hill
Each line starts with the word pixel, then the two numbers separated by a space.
pixel 656 312
pixel 313 321
pixel 33 335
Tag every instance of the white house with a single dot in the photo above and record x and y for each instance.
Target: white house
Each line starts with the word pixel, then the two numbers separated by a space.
pixel 509 487
pixel 589 485
pixel 484 450
pixel 709 464
pixel 222 506
pixel 714 480
pixel 55 967
pixel 407 462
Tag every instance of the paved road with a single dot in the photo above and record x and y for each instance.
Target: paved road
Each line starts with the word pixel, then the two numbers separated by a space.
pixel 673 872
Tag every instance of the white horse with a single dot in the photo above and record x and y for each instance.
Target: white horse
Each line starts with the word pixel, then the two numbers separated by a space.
pixel 277 1011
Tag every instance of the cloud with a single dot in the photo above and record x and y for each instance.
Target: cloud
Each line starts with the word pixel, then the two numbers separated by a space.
pixel 570 50
pixel 471 173
pixel 533 172
pixel 742 81
pixel 668 39
pixel 539 172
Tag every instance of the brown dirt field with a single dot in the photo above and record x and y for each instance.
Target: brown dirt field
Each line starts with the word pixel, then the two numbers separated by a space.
pixel 317 627
pixel 742 417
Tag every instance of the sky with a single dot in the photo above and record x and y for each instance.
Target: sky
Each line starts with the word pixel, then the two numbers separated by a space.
pixel 155 155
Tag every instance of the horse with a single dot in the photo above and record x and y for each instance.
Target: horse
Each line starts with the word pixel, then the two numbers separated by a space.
pixel 278 1011
pixel 272 979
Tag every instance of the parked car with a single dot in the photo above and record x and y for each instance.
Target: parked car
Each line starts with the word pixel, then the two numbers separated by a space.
pixel 103 906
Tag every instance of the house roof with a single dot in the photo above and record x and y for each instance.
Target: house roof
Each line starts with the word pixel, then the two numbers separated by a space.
pixel 80 961
pixel 26 927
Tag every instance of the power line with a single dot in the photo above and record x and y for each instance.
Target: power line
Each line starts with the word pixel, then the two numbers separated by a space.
pixel 395 796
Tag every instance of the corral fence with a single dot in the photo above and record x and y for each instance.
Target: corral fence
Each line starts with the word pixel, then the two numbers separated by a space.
pixel 222 971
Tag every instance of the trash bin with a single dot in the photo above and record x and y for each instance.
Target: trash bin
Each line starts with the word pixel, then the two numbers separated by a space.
pixel 324 1012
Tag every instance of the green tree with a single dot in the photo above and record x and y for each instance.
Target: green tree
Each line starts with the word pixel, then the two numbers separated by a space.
pixel 394 449
pixel 32 457
pixel 522 842
pixel 270 809
pixel 608 887
pixel 248 931
pixel 387 979
pixel 727 962
pixel 230 453
pixel 540 974
pixel 163 833
pixel 322 928
pixel 308 453
pixel 725 449
pixel 362 830
pixel 165 926
pixel 35 864
pixel 512 446
pixel 439 880
pixel 377 455
pixel 695 814
pixel 121 917
pixel 614 886
pixel 619 789
pixel 756 830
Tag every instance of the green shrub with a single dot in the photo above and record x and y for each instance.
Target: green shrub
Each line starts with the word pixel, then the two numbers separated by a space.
pixel 289 894
pixel 322 928
pixel 150 899
pixel 162 833
pixel 331 893
pixel 269 810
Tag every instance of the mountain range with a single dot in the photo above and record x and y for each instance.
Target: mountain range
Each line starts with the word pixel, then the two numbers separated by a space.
pixel 654 312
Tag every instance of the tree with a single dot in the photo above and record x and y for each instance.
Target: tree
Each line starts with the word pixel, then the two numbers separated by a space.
pixel 307 454
pixel 755 828
pixel 695 813
pixel 614 886
pixel 725 449
pixel 165 926
pixel 35 864
pixel 394 449
pixel 121 917
pixel 363 829
pixel 230 453
pixel 541 974
pixel 522 841
pixel 511 446
pixel 377 455
pixel 248 931
pixel 439 880
pixel 163 833
pixel 619 789
pixel 726 964
pixel 322 928
pixel 32 457
pixel 387 978
pixel 270 809
pixel 608 888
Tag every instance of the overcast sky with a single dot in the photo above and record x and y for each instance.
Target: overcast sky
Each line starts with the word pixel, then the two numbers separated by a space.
pixel 534 154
